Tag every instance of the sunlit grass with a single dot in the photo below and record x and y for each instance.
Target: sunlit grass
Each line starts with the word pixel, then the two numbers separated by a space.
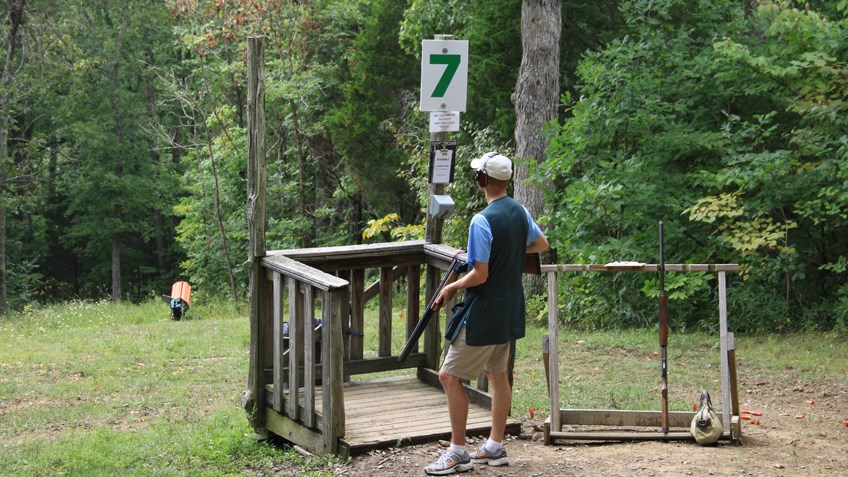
pixel 106 389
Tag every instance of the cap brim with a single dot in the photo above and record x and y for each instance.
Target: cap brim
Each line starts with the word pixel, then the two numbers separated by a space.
pixel 476 163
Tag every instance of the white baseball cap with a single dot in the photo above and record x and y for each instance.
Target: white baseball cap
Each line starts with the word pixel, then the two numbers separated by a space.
pixel 495 165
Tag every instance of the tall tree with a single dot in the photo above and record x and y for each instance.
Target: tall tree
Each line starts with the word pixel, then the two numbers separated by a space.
pixel 16 18
pixel 536 97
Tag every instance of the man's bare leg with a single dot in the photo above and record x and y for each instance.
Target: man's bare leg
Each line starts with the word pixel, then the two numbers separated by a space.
pixel 457 407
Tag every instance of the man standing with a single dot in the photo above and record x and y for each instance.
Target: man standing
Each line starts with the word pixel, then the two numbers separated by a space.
pixel 493 315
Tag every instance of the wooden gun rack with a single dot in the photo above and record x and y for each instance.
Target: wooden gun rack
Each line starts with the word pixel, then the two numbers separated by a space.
pixel 627 420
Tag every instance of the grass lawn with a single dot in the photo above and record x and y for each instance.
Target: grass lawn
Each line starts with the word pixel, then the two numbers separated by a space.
pixel 103 389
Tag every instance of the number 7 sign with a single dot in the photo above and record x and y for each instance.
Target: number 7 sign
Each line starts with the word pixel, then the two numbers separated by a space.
pixel 444 75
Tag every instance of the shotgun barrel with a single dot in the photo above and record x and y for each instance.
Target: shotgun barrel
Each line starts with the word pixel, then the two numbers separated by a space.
pixel 428 314
pixel 663 307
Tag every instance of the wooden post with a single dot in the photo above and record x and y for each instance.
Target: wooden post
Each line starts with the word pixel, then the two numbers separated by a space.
pixel 553 356
pixel 433 231
pixel 725 367
pixel 433 234
pixel 253 399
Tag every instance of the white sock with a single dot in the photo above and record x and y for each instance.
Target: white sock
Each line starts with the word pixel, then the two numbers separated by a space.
pixel 457 448
pixel 492 445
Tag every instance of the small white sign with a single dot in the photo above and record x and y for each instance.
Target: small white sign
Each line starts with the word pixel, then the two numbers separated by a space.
pixel 444 121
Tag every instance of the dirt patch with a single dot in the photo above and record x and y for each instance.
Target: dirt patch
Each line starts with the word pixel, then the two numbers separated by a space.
pixel 801 432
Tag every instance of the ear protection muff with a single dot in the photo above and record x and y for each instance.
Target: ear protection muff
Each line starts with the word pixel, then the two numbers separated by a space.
pixel 482 177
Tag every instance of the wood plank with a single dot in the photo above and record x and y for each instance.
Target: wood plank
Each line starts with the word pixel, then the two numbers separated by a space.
pixel 352 251
pixel 413 300
pixel 309 354
pixel 296 335
pixel 623 418
pixel 357 313
pixel 647 267
pixel 254 400
pixel 553 356
pixel 623 436
pixel 303 273
pixel 293 431
pixel 374 288
pixel 385 313
pixel 351 257
pixel 725 367
pixel 279 351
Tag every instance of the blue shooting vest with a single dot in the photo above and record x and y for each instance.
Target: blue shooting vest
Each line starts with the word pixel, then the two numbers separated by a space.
pixel 494 311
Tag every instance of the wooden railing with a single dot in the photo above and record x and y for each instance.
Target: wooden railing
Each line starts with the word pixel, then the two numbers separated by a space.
pixel 315 321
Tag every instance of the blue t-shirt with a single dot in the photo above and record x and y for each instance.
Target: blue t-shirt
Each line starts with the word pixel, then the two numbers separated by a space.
pixel 480 237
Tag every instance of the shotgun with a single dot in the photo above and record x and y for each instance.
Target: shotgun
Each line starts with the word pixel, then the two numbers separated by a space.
pixel 428 313
pixel 663 303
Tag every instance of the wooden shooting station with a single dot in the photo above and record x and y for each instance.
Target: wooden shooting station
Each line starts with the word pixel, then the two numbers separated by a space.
pixel 301 386
pixel 624 425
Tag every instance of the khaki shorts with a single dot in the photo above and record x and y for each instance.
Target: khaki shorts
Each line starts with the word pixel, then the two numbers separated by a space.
pixel 466 362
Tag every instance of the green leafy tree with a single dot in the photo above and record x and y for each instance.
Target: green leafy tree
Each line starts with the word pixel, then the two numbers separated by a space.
pixel 724 139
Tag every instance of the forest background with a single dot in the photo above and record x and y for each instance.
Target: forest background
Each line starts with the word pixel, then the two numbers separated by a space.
pixel 123 145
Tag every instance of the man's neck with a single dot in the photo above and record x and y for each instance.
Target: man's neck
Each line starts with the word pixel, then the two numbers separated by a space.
pixel 494 193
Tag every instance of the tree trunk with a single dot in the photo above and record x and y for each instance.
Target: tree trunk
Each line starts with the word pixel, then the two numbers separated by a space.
pixel 536 99
pixel 16 17
pixel 117 293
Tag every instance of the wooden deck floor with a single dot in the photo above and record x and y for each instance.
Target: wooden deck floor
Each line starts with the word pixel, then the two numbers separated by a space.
pixel 403 410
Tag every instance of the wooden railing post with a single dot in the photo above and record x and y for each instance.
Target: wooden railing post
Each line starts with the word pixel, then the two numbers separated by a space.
pixel 253 399
pixel 332 360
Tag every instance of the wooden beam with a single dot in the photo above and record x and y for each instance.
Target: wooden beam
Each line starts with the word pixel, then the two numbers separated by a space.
pixel 623 418
pixel 309 355
pixel 303 273
pixel 253 399
pixel 641 267
pixel 385 314
pixel 279 343
pixel 374 288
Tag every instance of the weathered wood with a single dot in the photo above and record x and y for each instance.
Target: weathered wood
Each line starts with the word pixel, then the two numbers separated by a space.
pixel 553 356
pixel 334 304
pixel 303 273
pixel 357 256
pixel 309 354
pixel 623 418
pixel 279 342
pixel 635 433
pixel 645 267
pixel 293 431
pixel 357 313
pixel 254 397
pixel 374 288
pixel 725 368
pixel 432 335
pixel 731 362
pixel 385 315
pixel 296 336
pixel 615 418
pixel 413 300
pixel 622 436
pixel 388 411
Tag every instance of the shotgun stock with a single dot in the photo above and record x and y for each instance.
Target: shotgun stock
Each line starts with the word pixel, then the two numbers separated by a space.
pixel 428 314
pixel 663 304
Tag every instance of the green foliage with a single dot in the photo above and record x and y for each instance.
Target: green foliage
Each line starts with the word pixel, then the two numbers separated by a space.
pixel 733 123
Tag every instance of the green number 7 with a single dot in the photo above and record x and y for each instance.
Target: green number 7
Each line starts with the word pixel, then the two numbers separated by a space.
pixel 452 62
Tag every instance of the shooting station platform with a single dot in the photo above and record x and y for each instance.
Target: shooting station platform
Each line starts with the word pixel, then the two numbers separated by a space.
pixel 311 325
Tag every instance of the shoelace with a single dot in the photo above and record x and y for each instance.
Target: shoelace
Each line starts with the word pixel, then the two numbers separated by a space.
pixel 445 457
